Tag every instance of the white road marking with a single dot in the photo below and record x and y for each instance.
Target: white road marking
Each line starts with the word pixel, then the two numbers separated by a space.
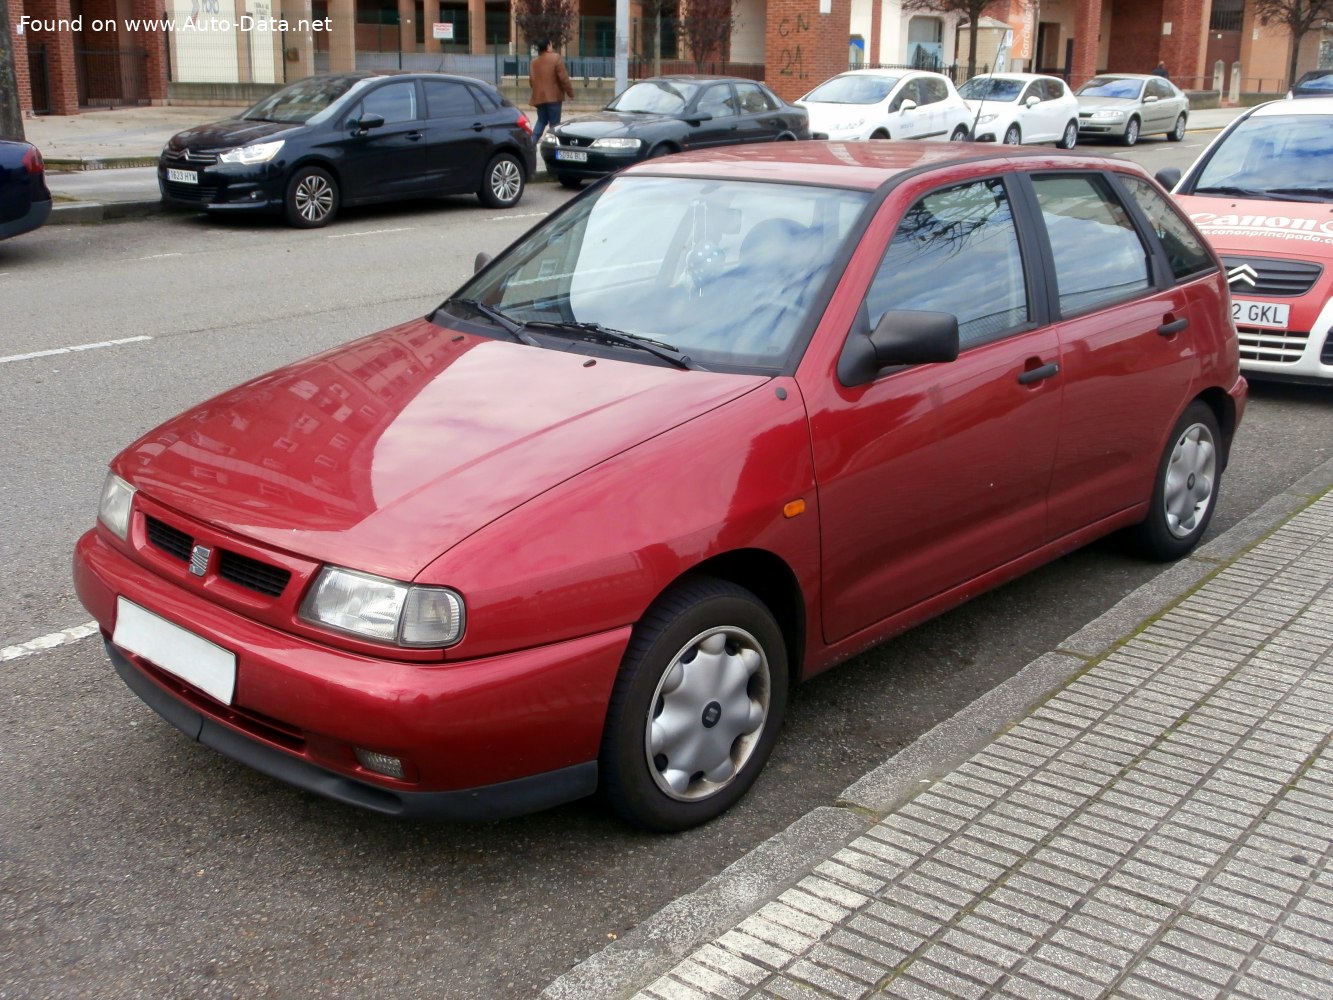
pixel 71 350
pixel 159 256
pixel 45 642
pixel 513 215
pixel 370 232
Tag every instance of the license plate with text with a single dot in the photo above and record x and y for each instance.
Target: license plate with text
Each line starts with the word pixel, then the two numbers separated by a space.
pixel 182 176
pixel 1269 314
pixel 572 155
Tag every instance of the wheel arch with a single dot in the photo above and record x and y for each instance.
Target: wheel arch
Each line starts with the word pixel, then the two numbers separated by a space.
pixel 1224 409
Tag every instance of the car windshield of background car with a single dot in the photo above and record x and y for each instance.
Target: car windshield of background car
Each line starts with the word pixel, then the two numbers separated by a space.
pixel 1288 156
pixel 853 89
pixel 1316 83
pixel 985 88
pixel 725 271
pixel 301 102
pixel 655 97
pixel 1126 90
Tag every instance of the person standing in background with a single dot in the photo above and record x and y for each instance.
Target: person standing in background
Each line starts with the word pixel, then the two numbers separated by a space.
pixel 550 86
pixel 1161 71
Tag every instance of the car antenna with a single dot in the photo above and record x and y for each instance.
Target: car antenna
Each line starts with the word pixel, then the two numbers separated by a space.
pixel 976 119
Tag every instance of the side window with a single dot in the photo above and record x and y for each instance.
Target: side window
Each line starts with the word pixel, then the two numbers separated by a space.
pixel 956 251
pixel 1054 89
pixel 394 102
pixel 1099 257
pixel 445 99
pixel 907 92
pixel 1159 89
pixel 487 100
pixel 717 101
pixel 753 99
pixel 1184 250
pixel 1034 90
pixel 932 91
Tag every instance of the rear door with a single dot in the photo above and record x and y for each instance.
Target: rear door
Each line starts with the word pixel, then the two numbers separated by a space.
pixel 457 136
pixel 760 120
pixel 934 474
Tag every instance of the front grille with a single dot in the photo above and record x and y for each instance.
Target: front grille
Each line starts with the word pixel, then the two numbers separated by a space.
pixel 575 140
pixel 202 193
pixel 253 574
pixel 1281 347
pixel 170 540
pixel 1326 355
pixel 189 158
pixel 1270 277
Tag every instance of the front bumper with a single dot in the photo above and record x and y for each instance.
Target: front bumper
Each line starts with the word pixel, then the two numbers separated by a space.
pixel 1290 355
pixel 230 187
pixel 1086 126
pixel 479 739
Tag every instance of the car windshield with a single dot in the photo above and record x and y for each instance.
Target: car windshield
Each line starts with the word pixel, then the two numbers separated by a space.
pixel 985 88
pixel 656 97
pixel 1287 157
pixel 1104 86
pixel 1316 82
pixel 302 101
pixel 853 89
pixel 728 273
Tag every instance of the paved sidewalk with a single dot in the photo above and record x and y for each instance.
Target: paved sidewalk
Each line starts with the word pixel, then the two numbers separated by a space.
pixel 1156 827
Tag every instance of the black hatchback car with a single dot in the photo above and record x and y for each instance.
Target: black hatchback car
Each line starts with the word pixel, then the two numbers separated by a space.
pixel 353 139
pixel 667 114
pixel 25 202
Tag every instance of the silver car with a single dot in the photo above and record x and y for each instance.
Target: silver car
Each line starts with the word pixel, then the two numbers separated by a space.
pixel 1125 106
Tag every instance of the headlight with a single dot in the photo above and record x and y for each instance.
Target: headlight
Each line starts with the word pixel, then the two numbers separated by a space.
pixel 114 510
pixel 548 138
pixel 260 152
pixel 986 118
pixel 384 610
pixel 617 143
pixel 1109 116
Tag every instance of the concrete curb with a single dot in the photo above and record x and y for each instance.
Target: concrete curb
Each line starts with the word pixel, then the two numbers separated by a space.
pixel 66 164
pixel 660 942
pixel 80 212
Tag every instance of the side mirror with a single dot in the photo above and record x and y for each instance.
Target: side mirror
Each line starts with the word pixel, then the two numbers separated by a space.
pixel 907 105
pixel 480 261
pixel 367 122
pixel 1032 101
pixel 1150 99
pixel 1168 177
pixel 902 337
pixel 699 118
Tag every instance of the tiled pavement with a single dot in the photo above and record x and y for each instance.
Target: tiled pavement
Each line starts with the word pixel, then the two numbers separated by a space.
pixel 1158 828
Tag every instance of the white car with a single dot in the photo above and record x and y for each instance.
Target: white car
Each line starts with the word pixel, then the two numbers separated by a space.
pixel 1018 108
pixel 887 104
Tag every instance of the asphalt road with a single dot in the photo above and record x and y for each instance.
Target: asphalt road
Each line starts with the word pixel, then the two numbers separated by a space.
pixel 135 863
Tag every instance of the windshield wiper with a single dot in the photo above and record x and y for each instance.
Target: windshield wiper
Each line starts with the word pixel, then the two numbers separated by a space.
pixel 1304 193
pixel 619 338
pixel 1235 192
pixel 510 325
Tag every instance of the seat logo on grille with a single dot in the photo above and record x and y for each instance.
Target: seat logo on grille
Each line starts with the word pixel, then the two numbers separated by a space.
pixel 199 556
pixel 1242 275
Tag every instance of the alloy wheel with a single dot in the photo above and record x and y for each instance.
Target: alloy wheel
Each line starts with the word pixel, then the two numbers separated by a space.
pixel 1187 492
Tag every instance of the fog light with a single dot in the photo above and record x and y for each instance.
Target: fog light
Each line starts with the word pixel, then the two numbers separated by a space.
pixel 380 763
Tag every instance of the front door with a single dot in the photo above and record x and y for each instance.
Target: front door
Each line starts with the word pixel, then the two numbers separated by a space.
pixel 388 161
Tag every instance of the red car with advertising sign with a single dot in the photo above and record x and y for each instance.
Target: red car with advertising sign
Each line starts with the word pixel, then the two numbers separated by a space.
pixel 723 421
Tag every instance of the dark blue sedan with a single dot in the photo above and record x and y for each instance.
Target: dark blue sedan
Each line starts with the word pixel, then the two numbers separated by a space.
pixel 25 201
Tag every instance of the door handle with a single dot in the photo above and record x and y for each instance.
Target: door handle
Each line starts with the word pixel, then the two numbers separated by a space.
pixel 1174 326
pixel 1037 374
pixel 414 136
pixel 478 126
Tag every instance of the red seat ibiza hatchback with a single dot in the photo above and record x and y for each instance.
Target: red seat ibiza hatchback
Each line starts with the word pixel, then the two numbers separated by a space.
pixel 726 419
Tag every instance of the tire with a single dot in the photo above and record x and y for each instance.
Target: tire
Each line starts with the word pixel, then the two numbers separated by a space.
pixel 573 183
pixel 661 149
pixel 1185 488
pixel 959 134
pixel 501 182
pixel 312 198
pixel 1177 133
pixel 696 707
pixel 1070 137
pixel 879 133
pixel 1131 135
pixel 1013 136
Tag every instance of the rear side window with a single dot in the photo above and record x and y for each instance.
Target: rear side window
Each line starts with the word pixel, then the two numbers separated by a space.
pixel 1099 257
pixel 932 91
pixel 753 99
pixel 1184 250
pixel 956 251
pixel 445 99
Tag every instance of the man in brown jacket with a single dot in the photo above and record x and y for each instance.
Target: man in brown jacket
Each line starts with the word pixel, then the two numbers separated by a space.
pixel 550 86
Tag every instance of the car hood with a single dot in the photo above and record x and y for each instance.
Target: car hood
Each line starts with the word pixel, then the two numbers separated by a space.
pixel 384 453
pixel 1107 103
pixel 603 124
pixel 1265 227
pixel 232 132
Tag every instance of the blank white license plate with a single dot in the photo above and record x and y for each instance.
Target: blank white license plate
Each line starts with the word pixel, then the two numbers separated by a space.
pixel 178 651
pixel 572 155
pixel 1269 314
pixel 182 176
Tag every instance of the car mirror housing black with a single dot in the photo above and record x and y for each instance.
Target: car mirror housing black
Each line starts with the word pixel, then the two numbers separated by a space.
pixel 1168 177
pixel 480 261
pixel 367 122
pixel 902 337
pixel 699 118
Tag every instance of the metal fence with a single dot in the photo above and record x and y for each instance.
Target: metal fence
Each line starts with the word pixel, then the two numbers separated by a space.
pixel 111 77
pixel 39 80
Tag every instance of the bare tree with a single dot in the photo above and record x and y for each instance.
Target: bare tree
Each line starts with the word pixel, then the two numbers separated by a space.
pixel 1300 16
pixel 553 19
pixel 973 10
pixel 11 118
pixel 705 27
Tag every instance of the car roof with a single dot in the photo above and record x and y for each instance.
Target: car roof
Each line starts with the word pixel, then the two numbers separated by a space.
pixel 886 71
pixel 696 78
pixel 1305 106
pixel 1129 76
pixel 1014 76
pixel 862 165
